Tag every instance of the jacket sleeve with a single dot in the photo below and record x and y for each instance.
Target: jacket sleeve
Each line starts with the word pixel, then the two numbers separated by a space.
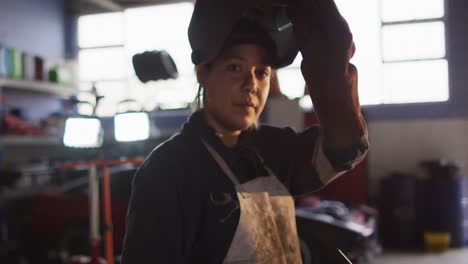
pixel 300 160
pixel 330 164
pixel 154 217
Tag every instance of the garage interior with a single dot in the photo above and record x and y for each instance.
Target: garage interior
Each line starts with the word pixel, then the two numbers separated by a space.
pixel 407 202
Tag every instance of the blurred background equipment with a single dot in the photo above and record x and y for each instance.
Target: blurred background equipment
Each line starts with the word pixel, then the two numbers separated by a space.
pixel 412 60
pixel 325 226
pixel 445 203
pixel 398 225
pixel 154 66
pixel 131 125
pixel 83 131
pixel 429 212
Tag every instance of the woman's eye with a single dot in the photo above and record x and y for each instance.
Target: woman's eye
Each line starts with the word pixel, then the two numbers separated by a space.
pixel 263 73
pixel 233 67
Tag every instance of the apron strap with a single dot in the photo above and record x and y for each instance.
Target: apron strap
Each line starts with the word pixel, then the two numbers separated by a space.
pixel 270 171
pixel 221 163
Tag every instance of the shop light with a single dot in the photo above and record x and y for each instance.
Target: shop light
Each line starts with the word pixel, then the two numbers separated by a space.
pixel 132 126
pixel 83 132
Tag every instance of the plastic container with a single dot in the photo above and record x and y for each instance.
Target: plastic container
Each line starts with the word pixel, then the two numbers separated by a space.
pixel 8 62
pixel 3 61
pixel 16 64
pixel 444 201
pixel 38 68
pixel 28 67
pixel 397 221
pixel 436 242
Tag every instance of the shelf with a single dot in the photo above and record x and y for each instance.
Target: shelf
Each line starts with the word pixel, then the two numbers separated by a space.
pixel 29 140
pixel 38 87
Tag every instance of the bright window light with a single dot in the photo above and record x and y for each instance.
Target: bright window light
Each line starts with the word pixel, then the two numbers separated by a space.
pixel 83 132
pixel 364 21
pixel 102 64
pixel 306 103
pixel 131 127
pixel 418 81
pixel 291 82
pixel 164 27
pixel 413 41
pixel 161 27
pixel 168 31
pixel 400 10
pixel 113 92
pixel 100 30
pixel 170 93
pixel 366 35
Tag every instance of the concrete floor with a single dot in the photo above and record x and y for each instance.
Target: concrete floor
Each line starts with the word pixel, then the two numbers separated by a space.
pixel 454 256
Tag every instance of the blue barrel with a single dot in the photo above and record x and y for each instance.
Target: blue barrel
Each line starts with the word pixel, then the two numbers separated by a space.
pixel 465 211
pixel 8 62
pixel 444 202
pixel 2 226
pixel 397 221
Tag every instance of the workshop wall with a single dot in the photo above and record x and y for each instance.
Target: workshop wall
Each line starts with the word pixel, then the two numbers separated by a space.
pixel 401 145
pixel 400 137
pixel 456 43
pixel 36 27
pixel 33 26
pixel 403 135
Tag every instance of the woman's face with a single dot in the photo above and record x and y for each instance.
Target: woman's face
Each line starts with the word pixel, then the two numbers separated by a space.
pixel 236 87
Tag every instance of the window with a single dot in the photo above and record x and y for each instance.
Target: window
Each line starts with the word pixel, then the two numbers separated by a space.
pixel 400 51
pixel 401 54
pixel 366 30
pixel 102 61
pixel 413 51
pixel 107 43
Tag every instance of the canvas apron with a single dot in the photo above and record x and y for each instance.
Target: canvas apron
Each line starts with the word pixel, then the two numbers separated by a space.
pixel 266 232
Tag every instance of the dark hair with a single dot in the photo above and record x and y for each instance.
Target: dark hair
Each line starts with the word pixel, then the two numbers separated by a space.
pixel 198 98
pixel 201 92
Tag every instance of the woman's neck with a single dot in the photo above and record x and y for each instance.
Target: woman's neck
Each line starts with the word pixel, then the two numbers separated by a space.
pixel 228 137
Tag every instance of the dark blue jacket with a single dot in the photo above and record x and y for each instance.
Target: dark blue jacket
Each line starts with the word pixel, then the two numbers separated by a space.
pixel 183 207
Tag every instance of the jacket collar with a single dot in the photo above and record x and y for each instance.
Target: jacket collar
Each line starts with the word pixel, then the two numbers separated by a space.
pixel 240 158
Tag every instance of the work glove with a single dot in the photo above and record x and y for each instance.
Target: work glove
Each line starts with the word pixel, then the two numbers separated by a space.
pixel 326 44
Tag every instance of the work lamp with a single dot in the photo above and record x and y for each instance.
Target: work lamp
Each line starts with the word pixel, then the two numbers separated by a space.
pixel 83 132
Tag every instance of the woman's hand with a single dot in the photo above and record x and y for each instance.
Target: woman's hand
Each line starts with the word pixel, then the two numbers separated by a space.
pixel 326 43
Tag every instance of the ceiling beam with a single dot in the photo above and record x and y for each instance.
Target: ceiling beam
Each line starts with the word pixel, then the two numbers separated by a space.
pixel 87 7
pixel 107 5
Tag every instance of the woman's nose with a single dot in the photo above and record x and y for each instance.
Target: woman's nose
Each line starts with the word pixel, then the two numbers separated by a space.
pixel 250 83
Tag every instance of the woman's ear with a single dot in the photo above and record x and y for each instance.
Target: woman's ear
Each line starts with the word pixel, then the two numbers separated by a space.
pixel 202 74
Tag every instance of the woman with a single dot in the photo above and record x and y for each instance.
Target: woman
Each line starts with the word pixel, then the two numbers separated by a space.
pixel 220 190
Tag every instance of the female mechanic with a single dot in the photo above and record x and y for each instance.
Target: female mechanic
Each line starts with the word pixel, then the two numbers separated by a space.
pixel 221 190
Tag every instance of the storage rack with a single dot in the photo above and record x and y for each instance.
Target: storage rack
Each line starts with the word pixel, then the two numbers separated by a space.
pixel 36 87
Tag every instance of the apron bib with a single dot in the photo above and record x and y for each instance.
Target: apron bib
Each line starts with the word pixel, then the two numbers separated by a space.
pixel 266 232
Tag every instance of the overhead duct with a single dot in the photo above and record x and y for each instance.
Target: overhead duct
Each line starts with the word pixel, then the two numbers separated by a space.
pixel 85 7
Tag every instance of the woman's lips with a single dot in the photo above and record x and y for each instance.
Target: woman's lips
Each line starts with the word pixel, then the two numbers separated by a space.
pixel 246 105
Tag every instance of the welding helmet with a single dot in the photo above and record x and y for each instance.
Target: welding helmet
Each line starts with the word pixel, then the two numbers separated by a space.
pixel 218 24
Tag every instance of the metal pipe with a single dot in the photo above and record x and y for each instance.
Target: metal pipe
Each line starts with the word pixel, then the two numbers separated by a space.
pixel 108 227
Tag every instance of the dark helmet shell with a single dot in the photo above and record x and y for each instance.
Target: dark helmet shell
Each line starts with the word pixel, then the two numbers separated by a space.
pixel 213 21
